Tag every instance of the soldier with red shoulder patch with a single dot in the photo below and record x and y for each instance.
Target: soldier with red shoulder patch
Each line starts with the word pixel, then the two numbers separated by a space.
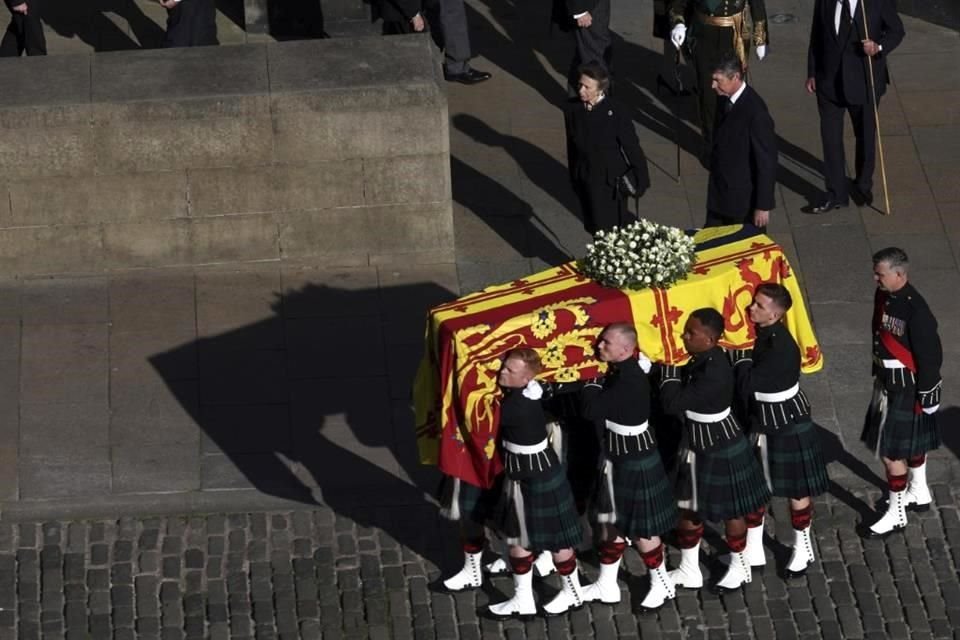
pixel 901 424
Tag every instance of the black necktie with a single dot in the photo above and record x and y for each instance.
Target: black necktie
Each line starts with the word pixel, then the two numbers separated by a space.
pixel 845 17
pixel 728 107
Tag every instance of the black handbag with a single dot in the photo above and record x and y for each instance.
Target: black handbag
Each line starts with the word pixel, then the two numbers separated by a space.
pixel 626 186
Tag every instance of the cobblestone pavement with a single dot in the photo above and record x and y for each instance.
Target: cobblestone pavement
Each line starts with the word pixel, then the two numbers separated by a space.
pixel 313 574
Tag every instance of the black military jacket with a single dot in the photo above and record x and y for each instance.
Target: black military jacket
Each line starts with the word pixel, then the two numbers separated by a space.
pixel 707 385
pixel 776 362
pixel 624 397
pixel 522 420
pixel 908 320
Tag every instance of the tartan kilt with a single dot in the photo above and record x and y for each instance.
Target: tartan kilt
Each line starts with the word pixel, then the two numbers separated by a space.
pixel 903 434
pixel 642 504
pixel 473 503
pixel 797 467
pixel 548 521
pixel 729 481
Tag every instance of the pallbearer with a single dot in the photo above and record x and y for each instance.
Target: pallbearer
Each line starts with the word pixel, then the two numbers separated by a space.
pixel 768 380
pixel 719 477
pixel 537 510
pixel 634 497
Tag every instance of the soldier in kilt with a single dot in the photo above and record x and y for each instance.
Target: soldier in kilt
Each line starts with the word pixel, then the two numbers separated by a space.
pixel 536 508
pixel 786 440
pixel 633 496
pixel 472 507
pixel 718 476
pixel 901 424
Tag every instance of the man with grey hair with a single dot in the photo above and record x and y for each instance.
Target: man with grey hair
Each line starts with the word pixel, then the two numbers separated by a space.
pixel 743 156
pixel 901 425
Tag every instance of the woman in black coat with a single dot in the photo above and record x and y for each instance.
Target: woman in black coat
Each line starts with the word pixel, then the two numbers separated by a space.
pixel 600 141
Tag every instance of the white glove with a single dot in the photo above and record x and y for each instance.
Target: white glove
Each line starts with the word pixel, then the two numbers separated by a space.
pixel 931 410
pixel 761 52
pixel 644 362
pixel 678 35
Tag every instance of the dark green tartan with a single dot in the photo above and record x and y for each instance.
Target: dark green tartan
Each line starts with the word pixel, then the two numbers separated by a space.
pixel 797 467
pixel 549 511
pixel 905 433
pixel 730 482
pixel 476 504
pixel 645 503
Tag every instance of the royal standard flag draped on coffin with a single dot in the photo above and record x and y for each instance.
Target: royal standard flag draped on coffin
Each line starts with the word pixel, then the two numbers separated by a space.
pixel 559 312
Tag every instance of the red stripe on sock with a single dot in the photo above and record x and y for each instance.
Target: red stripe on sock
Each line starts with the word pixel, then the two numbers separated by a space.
pixel 474 545
pixel 917 461
pixel 897 483
pixel 800 519
pixel 755 519
pixel 653 559
pixel 568 566
pixel 611 551
pixel 689 538
pixel 737 543
pixel 522 565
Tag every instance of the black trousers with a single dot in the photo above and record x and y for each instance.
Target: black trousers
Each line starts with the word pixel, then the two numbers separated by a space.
pixel 834 158
pixel 25 33
pixel 594 43
pixel 192 23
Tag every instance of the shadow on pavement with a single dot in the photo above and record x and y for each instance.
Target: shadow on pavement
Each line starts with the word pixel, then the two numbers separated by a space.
pixel 834 451
pixel 949 423
pixel 86 21
pixel 298 406
pixel 502 210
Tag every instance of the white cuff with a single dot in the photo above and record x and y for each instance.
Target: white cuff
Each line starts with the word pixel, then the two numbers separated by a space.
pixel 931 410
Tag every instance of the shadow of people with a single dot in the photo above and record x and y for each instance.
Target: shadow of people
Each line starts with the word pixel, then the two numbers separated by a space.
pixel 88 22
pixel 944 13
pixel 509 216
pixel 543 170
pixel 299 405
pixel 834 451
pixel 949 423
pixel 234 11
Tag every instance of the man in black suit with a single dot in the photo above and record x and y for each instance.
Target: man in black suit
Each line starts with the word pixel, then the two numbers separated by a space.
pixel 743 156
pixel 837 71
pixel 190 23
pixel 25 31
pixel 590 20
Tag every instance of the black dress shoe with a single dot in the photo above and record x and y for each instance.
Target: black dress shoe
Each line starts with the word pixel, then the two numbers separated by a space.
pixel 866 196
pixel 827 206
pixel 470 76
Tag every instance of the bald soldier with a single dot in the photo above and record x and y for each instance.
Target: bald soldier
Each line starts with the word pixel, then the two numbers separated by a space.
pixel 634 497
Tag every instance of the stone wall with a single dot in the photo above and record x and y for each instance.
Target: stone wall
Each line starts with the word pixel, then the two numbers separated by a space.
pixel 335 151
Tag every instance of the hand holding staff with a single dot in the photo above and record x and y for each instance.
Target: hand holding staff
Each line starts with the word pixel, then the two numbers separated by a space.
pixel 871 48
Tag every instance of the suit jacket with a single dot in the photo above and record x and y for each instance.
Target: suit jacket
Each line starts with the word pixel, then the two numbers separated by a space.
pixel 398 10
pixel 579 6
pixel 837 61
pixel 594 140
pixel 743 160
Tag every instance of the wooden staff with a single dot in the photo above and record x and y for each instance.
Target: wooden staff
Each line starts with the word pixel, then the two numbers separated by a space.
pixel 876 112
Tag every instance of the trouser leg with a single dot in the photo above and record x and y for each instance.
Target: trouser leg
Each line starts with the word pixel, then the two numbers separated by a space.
pixel 456 37
pixel 864 131
pixel 834 160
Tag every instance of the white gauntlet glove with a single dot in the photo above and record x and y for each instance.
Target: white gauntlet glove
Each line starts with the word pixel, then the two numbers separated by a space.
pixel 761 52
pixel 678 35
